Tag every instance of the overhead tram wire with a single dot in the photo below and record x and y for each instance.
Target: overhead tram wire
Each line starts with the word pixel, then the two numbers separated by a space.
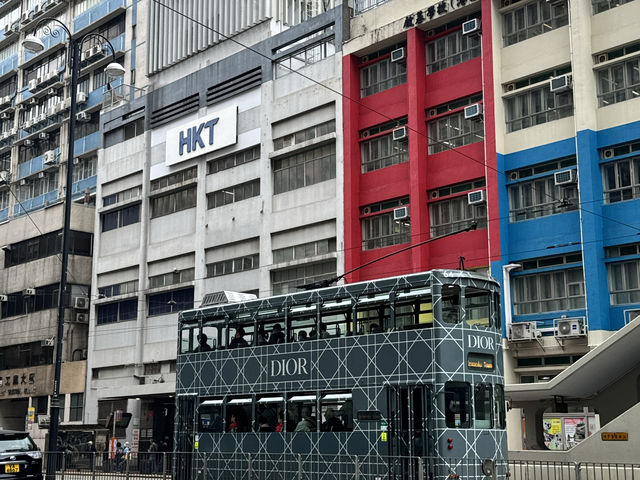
pixel 361 104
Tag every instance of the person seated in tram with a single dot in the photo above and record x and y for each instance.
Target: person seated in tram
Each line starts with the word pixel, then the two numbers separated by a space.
pixel 331 422
pixel 264 425
pixel 306 424
pixel 203 346
pixel 375 328
pixel 302 336
pixel 280 425
pixel 233 425
pixel 277 335
pixel 238 340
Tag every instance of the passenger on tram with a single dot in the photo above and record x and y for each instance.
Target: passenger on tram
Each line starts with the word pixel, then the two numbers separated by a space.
pixel 234 425
pixel 238 339
pixel 264 425
pixel 302 336
pixel 277 336
pixel 375 328
pixel 331 422
pixel 306 424
pixel 280 424
pixel 203 346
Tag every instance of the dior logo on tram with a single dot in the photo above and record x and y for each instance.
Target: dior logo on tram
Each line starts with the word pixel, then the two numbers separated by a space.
pixel 289 367
pixel 480 341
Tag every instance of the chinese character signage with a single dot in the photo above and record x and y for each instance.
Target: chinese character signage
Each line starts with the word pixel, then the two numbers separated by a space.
pixel 434 11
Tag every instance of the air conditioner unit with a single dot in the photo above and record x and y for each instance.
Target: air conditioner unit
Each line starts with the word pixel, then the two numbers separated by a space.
pixel 4 100
pixel 47 342
pixel 4 176
pixel 49 157
pixel 472 27
pixel 565 177
pixel 33 84
pixel 81 303
pixel 398 55
pixel 366 210
pixel 401 213
pixel 43 136
pixel 434 194
pixel 91 53
pixel 560 84
pixel 81 97
pixel 13 132
pixel 608 153
pixel 400 133
pixel 41 175
pixel 23 182
pixel 432 112
pixel 510 87
pixel 41 118
pixel 603 57
pixel 29 292
pixel 28 143
pixel 67 103
pixel 83 117
pixel 82 317
pixel 33 101
pixel 523 331
pixel 473 112
pixel 506 3
pixel 569 328
pixel 76 161
pixel 475 197
pixel 52 92
pixel 27 124
pixel 514 176
pixel 5 116
pixel 4 298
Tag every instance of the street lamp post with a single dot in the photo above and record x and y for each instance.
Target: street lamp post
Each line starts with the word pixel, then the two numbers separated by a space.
pixel 33 44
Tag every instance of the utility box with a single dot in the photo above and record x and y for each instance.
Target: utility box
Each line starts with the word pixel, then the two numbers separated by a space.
pixel 563 431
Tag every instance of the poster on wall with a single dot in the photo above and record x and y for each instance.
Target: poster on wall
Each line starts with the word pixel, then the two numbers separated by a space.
pixel 575 430
pixel 553 433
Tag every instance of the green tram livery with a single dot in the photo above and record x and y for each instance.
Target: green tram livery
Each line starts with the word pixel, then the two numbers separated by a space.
pixel 398 377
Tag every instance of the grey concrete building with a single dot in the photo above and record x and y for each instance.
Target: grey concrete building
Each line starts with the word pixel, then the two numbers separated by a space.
pixel 34 105
pixel 226 175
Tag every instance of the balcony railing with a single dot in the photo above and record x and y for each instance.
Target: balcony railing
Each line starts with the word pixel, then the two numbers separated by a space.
pixel 34 203
pixel 78 188
pixel 96 13
pixel 86 144
pixel 4 214
pixel 8 65
pixel 34 165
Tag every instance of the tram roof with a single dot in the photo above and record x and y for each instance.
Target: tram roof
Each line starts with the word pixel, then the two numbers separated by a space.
pixel 592 373
pixel 351 290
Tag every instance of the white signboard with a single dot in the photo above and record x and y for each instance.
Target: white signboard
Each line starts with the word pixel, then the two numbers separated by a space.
pixel 203 135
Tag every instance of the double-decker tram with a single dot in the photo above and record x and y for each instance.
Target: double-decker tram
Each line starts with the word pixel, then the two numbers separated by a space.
pixel 397 378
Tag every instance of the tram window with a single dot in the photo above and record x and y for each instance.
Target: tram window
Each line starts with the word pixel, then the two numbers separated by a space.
pixel 416 314
pixel 301 413
pixel 206 340
pixel 336 324
pixel 242 336
pixel 336 409
pixel 457 396
pixel 483 405
pixel 477 307
pixel 186 335
pixel 451 303
pixel 373 319
pixel 269 410
pixel 302 328
pixel 238 417
pixel 210 415
pixel 270 333
pixel 501 413
pixel 497 310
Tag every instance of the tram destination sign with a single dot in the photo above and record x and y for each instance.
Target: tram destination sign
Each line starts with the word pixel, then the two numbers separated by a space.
pixel 202 135
pixel 369 416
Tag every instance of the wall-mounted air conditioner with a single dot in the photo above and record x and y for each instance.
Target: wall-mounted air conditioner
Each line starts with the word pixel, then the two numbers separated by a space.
pixel 400 133
pixel 523 332
pixel 565 177
pixel 471 27
pixel 4 298
pixel 81 97
pixel 473 112
pixel 475 197
pixel 83 117
pixel 398 55
pixel 82 317
pixel 560 84
pixel 29 292
pixel 33 84
pixel 81 303
pixel 608 153
pixel 401 213
pixel 569 327
pixel 49 157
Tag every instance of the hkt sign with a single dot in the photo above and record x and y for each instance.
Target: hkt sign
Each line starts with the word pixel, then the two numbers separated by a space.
pixel 204 135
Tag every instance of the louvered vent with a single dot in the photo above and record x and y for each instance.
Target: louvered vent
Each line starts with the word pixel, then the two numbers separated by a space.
pixel 174 110
pixel 234 86
pixel 218 298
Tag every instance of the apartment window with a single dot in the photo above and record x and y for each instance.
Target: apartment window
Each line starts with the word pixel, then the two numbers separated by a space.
pixel 304 168
pixel 304 135
pixel 383 151
pixel 173 202
pixel 122 196
pixel 117 311
pixel 118 289
pixel 4 199
pixel 172 278
pixel 293 12
pixel 38 186
pixel 81 6
pixel 25 355
pixel 174 179
pixel 83 129
pixel 38 148
pixel 454 131
pixel 121 217
pixel 454 214
pixel 305 56
pixel 75 407
pixel 286 280
pixel 304 250
pixel 133 129
pixel 168 302
pixel 558 290
pixel 621 180
pixel 600 6
pixel 364 5
pixel 533 19
pixel 233 160
pixel 624 276
pixel 381 75
pixel 47 245
pixel 619 82
pixel 51 63
pixel 234 194
pixel 9 87
pixel 451 50
pixel 540 197
pixel 9 51
pixel 44 298
pixel 233 265
pixel 537 106
pixel 10 17
pixel 85 168
pixel 382 230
